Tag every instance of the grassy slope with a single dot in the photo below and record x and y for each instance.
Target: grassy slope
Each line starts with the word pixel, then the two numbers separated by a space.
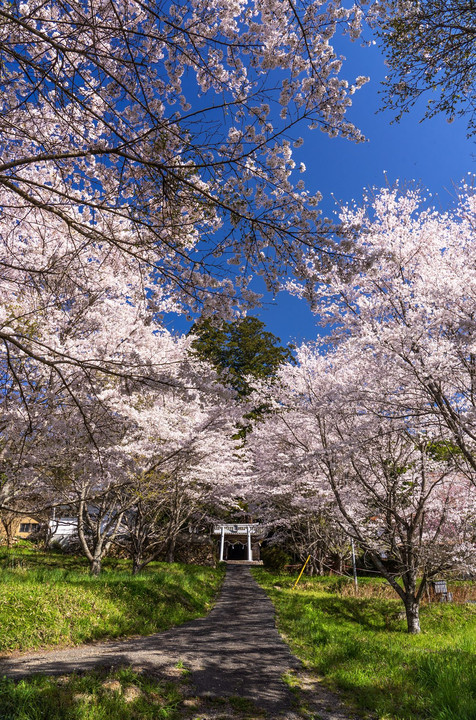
pixel 51 599
pixel 360 646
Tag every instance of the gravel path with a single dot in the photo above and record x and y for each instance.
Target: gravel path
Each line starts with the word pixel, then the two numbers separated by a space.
pixel 234 651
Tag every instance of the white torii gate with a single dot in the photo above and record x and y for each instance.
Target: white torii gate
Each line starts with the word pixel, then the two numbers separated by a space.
pixel 247 529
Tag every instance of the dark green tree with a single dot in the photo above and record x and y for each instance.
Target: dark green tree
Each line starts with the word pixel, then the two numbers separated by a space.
pixel 241 352
pixel 430 49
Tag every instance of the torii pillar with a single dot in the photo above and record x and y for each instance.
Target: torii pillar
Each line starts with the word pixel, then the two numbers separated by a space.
pixel 222 543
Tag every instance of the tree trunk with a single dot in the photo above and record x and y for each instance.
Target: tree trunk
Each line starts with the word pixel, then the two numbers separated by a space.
pixel 95 566
pixel 412 609
pixel 137 564
pixel 171 550
pixel 9 538
pixel 8 528
pixel 409 594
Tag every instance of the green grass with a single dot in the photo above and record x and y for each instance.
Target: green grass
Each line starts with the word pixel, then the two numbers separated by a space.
pixel 360 646
pixel 120 695
pixel 50 599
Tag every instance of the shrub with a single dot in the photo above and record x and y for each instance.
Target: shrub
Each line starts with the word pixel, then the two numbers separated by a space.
pixel 274 558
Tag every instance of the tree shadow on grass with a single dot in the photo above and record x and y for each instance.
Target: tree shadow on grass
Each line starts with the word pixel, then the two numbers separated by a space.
pixel 369 613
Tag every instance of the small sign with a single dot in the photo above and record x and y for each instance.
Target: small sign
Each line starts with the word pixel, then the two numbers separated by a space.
pixel 239 529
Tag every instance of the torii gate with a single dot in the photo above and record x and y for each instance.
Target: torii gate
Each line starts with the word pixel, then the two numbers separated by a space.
pixel 247 529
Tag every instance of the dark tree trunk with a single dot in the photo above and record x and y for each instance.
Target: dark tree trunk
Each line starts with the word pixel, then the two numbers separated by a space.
pixel 137 564
pixel 9 535
pixel 408 593
pixel 171 550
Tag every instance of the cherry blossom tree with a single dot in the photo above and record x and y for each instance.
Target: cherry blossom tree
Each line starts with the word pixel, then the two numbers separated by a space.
pixel 77 468
pixel 87 314
pixel 410 509
pixel 185 459
pixel 429 46
pixel 307 528
pixel 163 131
pixel 393 386
pixel 407 297
pixel 147 167
pixel 297 504
pixel 182 459
pixel 150 452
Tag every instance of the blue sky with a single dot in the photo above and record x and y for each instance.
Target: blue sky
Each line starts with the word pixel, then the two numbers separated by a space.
pixel 433 153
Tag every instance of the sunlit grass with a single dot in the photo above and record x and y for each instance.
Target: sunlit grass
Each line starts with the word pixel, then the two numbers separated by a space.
pixel 119 695
pixel 43 603
pixel 360 645
pixel 122 694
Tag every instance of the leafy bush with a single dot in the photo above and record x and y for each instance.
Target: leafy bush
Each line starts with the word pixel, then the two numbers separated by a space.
pixel 274 558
